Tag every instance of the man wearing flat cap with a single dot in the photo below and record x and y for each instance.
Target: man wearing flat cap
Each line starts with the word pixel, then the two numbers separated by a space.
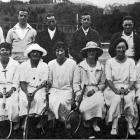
pixel 131 37
pixel 82 36
pixel 21 35
pixel 49 37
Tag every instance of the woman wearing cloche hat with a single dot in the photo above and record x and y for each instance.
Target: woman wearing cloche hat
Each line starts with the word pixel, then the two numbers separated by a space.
pixel 90 72
pixel 33 73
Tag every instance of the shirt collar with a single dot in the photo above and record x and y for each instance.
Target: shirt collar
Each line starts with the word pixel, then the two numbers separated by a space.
pixel 18 27
pixel 85 31
pixel 85 66
pixel 123 34
pixel 51 30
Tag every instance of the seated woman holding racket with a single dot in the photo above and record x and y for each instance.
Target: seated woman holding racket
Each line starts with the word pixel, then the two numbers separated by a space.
pixel 8 84
pixel 90 73
pixel 33 76
pixel 121 75
pixel 61 72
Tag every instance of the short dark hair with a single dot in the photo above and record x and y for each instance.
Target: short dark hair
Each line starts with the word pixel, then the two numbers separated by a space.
pixel 6 46
pixel 23 8
pixel 61 44
pixel 85 14
pixel 128 18
pixel 50 14
pixel 116 42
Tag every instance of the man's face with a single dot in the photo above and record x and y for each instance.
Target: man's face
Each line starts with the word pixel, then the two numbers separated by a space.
pixel 22 17
pixel 128 26
pixel 51 22
pixel 86 21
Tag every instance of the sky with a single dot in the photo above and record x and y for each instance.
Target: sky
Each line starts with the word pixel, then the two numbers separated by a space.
pixel 100 3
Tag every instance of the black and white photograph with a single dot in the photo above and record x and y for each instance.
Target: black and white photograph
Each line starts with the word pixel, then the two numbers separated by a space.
pixel 69 69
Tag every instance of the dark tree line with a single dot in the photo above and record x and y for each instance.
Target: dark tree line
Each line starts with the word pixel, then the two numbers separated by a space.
pixel 106 23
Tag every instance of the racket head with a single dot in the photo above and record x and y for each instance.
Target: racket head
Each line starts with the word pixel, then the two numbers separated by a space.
pixel 122 128
pixel 5 129
pixel 74 118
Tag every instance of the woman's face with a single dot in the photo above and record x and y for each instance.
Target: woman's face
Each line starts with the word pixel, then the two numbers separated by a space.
pixel 60 53
pixel 35 55
pixel 5 52
pixel 120 49
pixel 91 54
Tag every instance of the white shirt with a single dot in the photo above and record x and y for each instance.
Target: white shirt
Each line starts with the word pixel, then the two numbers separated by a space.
pixel 1 36
pixel 51 33
pixel 130 42
pixel 85 31
pixel 22 31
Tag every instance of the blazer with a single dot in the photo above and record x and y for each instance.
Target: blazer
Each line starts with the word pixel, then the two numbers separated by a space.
pixel 136 38
pixel 79 41
pixel 44 40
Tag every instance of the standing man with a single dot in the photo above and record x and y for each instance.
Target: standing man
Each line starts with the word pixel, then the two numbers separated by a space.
pixel 48 38
pixel 131 37
pixel 21 35
pixel 82 36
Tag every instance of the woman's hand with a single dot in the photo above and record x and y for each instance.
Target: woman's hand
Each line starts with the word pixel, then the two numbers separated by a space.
pixel 29 97
pixel 118 92
pixel 10 92
pixel 90 93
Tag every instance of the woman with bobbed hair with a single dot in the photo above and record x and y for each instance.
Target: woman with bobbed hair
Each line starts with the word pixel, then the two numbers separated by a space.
pixel 9 81
pixel 90 72
pixel 121 76
pixel 61 72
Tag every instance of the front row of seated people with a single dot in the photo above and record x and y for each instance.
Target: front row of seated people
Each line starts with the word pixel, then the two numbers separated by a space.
pixel 65 77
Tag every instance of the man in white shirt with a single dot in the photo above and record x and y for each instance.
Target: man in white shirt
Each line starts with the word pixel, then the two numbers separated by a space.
pixel 48 38
pixel 21 35
pixel 131 37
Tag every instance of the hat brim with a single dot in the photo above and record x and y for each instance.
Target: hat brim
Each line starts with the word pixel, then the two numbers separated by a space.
pixel 98 50
pixel 36 48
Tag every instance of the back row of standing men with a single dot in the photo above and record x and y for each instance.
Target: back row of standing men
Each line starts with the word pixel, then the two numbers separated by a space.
pixel 22 34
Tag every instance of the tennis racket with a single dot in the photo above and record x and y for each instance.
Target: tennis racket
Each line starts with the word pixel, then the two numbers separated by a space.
pixel 5 123
pixel 26 127
pixel 44 115
pixel 75 116
pixel 122 126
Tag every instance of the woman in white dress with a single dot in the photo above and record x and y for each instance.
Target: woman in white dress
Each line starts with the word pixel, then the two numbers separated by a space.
pixel 120 73
pixel 8 68
pixel 90 72
pixel 137 85
pixel 33 73
pixel 61 72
